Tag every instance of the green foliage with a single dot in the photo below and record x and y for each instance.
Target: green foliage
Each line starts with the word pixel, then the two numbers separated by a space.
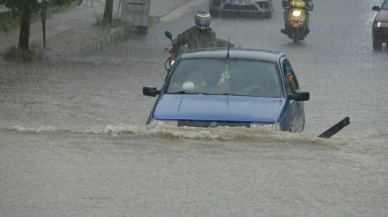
pixel 22 5
pixel 31 5
pixel 63 2
pixel 16 54
pixel 58 9
pixel 6 24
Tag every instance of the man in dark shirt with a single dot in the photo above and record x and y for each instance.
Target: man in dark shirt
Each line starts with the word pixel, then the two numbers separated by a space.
pixel 198 36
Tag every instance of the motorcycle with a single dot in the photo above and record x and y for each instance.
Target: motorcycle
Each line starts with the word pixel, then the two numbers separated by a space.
pixel 296 28
pixel 175 54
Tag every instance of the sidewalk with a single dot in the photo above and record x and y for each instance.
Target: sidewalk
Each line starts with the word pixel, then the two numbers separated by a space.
pixel 74 33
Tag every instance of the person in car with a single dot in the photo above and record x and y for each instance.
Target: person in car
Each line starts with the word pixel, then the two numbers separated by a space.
pixel 286 7
pixel 288 75
pixel 198 36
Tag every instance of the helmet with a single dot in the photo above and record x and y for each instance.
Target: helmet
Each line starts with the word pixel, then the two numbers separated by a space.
pixel 202 19
pixel 188 85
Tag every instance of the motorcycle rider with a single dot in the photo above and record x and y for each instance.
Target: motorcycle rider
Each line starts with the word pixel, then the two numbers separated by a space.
pixel 198 36
pixel 286 7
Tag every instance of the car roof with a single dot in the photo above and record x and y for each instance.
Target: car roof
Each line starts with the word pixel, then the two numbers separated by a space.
pixel 243 53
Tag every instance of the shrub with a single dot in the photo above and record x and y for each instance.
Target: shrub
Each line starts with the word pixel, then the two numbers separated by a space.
pixel 16 54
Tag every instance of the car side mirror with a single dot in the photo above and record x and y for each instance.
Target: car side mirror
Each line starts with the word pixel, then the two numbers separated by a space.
pixel 299 96
pixel 150 91
pixel 168 35
pixel 376 8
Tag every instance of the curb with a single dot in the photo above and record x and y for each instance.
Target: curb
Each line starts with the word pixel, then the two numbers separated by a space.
pixel 115 34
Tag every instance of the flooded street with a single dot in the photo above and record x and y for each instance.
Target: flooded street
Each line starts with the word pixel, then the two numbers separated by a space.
pixel 73 140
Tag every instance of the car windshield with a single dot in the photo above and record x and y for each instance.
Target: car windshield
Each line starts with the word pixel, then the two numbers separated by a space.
pixel 226 77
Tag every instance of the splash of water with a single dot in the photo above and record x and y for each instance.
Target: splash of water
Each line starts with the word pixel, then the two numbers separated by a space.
pixel 220 133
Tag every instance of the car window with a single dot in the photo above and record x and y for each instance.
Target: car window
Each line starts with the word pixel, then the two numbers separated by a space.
pixel 226 76
pixel 295 83
pixel 294 86
pixel 385 5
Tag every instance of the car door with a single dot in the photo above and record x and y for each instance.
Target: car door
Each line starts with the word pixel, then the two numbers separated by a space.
pixel 296 107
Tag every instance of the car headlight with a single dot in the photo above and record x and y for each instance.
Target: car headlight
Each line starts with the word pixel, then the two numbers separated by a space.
pixel 297 13
pixel 269 126
pixel 164 123
pixel 381 25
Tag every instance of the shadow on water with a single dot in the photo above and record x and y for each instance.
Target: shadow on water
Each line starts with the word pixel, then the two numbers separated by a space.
pixel 300 44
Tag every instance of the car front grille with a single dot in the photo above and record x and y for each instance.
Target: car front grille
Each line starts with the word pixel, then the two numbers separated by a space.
pixel 194 123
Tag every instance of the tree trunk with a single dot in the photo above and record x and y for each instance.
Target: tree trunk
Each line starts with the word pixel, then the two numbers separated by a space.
pixel 43 13
pixel 108 12
pixel 25 30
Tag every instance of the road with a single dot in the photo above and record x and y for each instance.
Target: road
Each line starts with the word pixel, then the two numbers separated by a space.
pixel 73 141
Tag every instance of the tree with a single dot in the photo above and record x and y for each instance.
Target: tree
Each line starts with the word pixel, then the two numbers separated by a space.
pixel 27 8
pixel 108 12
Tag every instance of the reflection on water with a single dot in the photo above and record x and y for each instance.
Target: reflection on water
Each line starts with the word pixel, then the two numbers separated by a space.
pixel 146 169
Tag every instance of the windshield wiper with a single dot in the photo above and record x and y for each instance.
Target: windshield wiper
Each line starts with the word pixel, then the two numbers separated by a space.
pixel 230 94
pixel 200 93
pixel 185 92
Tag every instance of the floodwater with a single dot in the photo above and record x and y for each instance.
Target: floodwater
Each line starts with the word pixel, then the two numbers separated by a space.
pixel 73 140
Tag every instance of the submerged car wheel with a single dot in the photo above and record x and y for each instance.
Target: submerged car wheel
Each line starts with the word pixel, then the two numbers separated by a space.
pixel 377 45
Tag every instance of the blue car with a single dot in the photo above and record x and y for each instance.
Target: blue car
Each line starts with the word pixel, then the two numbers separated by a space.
pixel 233 87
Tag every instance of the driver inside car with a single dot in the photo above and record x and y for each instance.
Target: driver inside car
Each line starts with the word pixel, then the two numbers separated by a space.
pixel 288 71
pixel 204 81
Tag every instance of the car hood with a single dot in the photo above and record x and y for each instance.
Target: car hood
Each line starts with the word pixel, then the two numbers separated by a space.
pixel 382 16
pixel 218 108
